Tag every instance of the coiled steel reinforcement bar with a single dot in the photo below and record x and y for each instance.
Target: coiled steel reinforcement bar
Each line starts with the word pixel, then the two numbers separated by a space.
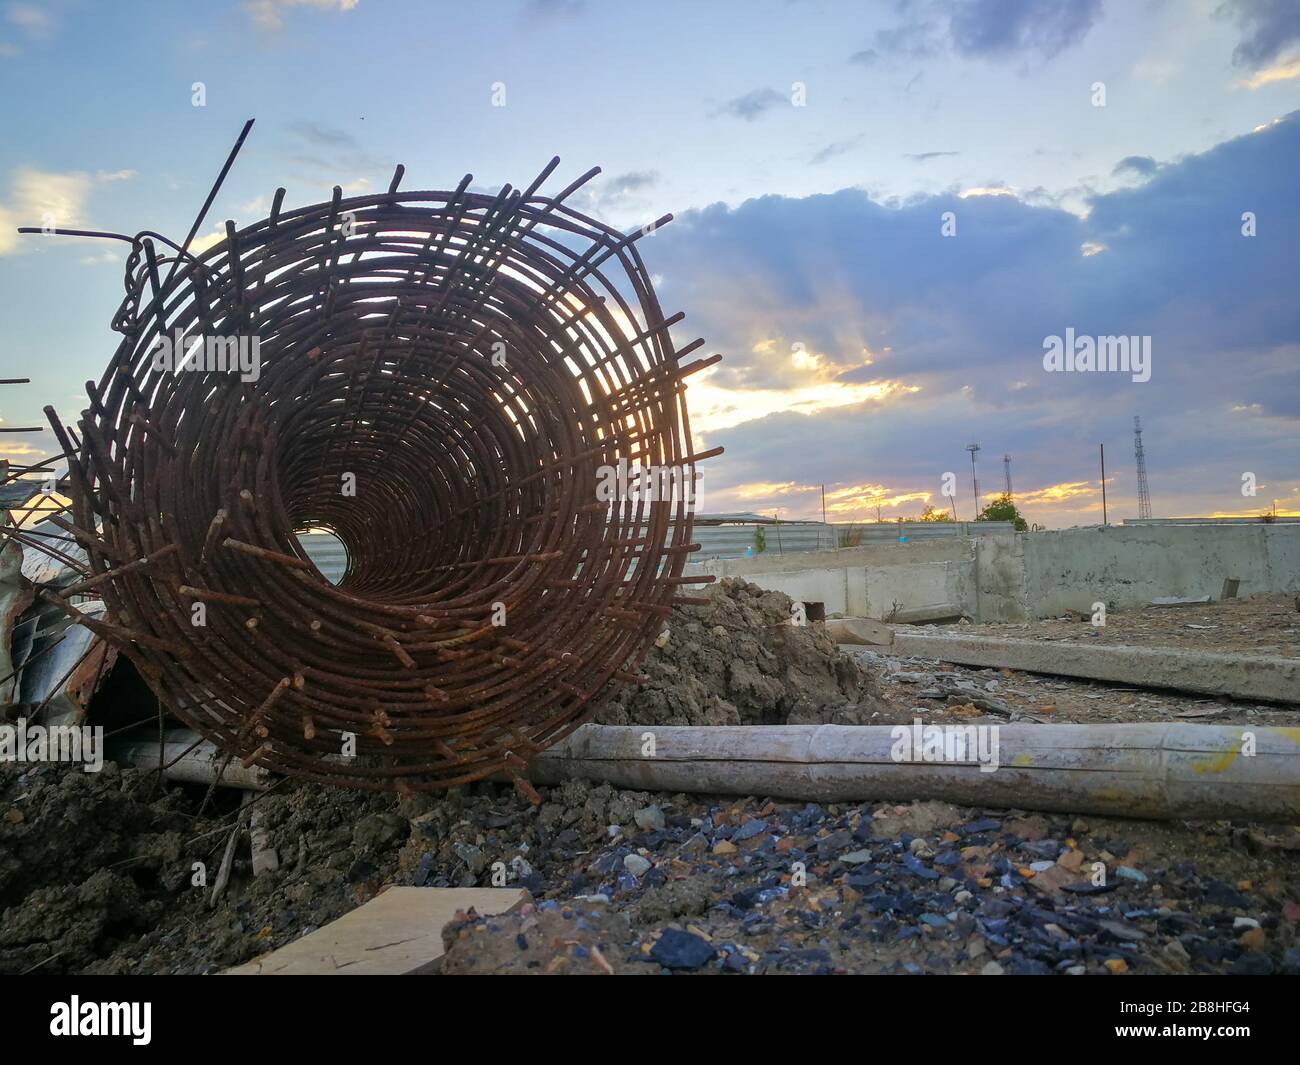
pixel 441 377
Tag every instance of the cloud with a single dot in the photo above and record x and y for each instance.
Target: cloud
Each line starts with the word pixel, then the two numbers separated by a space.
pixel 108 257
pixel 322 135
pixel 912 344
pixel 17 450
pixel 1284 70
pixel 1269 28
pixel 269 14
pixel 39 198
pixel 31 20
pixel 617 197
pixel 753 104
pixel 42 197
pixel 913 40
pixel 322 153
pixel 983 29
pixel 925 157
pixel 834 149
pixel 1041 28
pixel 993 188
pixel 1141 165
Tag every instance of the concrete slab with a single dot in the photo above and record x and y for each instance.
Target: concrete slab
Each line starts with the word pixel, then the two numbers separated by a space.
pixel 1264 678
pixel 395 933
pixel 860 631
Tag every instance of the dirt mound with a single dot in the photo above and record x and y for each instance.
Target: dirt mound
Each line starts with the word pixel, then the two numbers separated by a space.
pixel 739 661
pixel 86 860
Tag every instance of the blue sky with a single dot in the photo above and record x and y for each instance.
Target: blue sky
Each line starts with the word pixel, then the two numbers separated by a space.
pixel 809 151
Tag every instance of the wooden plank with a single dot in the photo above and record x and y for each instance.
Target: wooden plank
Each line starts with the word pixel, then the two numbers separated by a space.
pixel 396 932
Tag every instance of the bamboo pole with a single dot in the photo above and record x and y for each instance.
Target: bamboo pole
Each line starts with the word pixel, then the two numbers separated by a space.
pixel 1141 770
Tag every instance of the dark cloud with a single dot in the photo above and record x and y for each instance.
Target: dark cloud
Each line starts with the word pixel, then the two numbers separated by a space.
pixel 964 319
pixel 923 157
pixel 753 104
pixel 1044 28
pixel 912 40
pixel 1269 28
pixel 1142 165
pixel 635 179
pixel 988 29
pixel 919 38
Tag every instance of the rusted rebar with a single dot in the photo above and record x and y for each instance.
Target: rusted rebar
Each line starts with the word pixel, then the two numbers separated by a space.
pixel 440 378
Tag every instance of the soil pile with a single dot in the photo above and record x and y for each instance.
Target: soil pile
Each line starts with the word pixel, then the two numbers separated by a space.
pixel 739 661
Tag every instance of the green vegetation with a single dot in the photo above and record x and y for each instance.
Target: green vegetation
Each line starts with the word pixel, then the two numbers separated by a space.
pixel 1002 509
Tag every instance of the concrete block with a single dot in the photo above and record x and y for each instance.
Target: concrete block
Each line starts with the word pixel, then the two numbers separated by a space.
pixel 861 631
pixel 1262 678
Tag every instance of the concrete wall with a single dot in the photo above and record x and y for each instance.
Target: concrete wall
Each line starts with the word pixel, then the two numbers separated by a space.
pixel 1032 575
pixel 925 580
pixel 1010 577
pixel 1282 545
pixel 999 579
pixel 1131 565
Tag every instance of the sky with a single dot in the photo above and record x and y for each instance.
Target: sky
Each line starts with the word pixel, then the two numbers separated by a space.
pixel 882 212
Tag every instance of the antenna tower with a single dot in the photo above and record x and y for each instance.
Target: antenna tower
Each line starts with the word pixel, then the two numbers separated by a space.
pixel 1144 494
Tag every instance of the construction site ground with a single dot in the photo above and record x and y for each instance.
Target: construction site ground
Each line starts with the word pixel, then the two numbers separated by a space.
pixel 1259 625
pixel 97 871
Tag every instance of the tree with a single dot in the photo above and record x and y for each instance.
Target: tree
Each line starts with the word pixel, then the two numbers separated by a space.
pixel 1002 509
pixel 930 514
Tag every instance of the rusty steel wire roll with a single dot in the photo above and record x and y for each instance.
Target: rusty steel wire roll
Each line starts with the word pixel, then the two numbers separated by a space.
pixel 466 363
